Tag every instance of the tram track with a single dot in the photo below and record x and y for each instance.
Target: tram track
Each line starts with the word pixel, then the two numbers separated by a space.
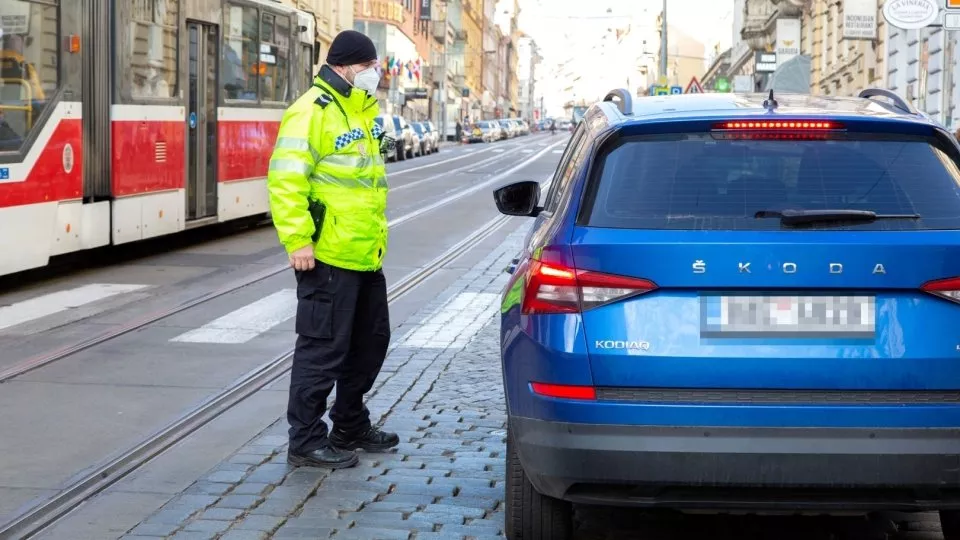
pixel 49 357
pixel 98 478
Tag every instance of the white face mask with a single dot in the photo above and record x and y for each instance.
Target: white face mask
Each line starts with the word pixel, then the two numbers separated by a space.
pixel 367 79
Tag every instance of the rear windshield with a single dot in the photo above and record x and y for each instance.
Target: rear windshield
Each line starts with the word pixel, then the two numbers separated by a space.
pixel 697 182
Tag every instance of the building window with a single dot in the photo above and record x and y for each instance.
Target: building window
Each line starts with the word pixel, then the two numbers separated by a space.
pixel 30 69
pixel 256 55
pixel 150 58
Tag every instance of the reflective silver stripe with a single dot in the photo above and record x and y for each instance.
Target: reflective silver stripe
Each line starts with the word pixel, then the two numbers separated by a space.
pixel 298 144
pixel 290 165
pixel 358 162
pixel 324 178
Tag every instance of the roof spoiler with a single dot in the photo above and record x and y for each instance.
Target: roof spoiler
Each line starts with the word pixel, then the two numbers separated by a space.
pixel 898 101
pixel 625 104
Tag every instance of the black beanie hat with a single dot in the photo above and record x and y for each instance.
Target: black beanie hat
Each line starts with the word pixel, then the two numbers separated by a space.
pixel 351 47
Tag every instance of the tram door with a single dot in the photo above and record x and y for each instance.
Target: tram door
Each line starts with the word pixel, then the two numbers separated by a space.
pixel 202 121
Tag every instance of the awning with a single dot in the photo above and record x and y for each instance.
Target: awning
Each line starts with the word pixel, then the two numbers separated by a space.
pixel 793 76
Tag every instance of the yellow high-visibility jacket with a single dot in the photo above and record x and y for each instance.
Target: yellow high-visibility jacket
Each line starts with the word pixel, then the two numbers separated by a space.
pixel 328 150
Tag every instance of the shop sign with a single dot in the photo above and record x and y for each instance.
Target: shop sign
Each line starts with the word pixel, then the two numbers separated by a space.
pixel 765 62
pixel 788 39
pixel 911 14
pixel 378 10
pixel 859 19
pixel 424 10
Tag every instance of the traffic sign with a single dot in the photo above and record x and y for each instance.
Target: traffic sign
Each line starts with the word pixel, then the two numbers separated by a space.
pixel 676 90
pixel 694 87
pixel 951 20
pixel 661 91
pixel 722 85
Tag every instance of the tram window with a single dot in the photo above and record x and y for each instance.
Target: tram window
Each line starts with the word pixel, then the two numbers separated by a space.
pixel 240 73
pixel 151 54
pixel 29 67
pixel 277 80
pixel 306 60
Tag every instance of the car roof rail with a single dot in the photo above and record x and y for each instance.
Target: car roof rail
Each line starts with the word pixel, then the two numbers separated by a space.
pixel 898 101
pixel 626 102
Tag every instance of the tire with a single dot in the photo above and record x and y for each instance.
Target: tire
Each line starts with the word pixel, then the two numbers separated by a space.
pixel 530 515
pixel 950 524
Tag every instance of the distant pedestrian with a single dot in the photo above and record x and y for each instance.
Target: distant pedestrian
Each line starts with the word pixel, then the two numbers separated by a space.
pixel 328 197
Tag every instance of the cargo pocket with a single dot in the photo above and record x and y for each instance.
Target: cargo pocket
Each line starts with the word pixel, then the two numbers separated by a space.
pixel 315 317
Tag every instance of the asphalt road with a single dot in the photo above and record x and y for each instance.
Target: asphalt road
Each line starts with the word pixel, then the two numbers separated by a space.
pixel 440 389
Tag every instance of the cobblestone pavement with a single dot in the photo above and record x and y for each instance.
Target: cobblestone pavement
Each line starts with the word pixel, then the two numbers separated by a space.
pixel 441 391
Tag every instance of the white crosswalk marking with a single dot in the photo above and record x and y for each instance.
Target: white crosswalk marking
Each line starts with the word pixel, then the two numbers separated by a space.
pixel 246 323
pixel 527 150
pixel 48 304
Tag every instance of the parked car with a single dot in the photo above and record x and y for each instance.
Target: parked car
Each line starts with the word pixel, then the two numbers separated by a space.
pixel 737 302
pixel 435 133
pixel 507 127
pixel 398 128
pixel 428 139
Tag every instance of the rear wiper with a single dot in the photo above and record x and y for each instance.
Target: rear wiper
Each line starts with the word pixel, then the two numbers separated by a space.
pixel 803 217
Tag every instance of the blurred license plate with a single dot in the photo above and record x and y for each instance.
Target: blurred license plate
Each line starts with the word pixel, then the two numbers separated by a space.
pixel 787 316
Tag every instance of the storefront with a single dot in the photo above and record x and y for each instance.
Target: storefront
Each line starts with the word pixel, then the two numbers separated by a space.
pixel 404 47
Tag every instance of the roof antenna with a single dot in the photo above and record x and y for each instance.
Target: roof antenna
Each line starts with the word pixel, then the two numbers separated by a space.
pixel 770 103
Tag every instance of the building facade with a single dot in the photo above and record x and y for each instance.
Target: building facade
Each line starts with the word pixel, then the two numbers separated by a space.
pixel 403 41
pixel 921 66
pixel 840 65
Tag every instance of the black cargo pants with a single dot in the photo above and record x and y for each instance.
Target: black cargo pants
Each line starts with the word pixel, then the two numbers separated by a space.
pixel 343 331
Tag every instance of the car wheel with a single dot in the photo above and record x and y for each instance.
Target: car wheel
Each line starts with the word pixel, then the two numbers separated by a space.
pixel 950 524
pixel 530 515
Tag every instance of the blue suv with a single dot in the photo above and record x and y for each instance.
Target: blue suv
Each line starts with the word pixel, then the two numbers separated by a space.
pixel 737 302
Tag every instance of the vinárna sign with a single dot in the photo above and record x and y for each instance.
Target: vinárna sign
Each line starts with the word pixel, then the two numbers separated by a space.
pixel 911 14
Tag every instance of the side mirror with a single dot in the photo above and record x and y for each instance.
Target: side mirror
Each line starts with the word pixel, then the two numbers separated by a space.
pixel 519 199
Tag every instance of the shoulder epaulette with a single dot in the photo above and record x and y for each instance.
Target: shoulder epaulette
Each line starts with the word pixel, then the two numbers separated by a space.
pixel 323 100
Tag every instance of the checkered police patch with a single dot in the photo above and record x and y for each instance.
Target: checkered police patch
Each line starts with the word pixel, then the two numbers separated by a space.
pixel 376 131
pixel 344 140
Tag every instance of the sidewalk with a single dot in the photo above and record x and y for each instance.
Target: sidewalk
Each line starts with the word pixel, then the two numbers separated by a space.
pixel 439 389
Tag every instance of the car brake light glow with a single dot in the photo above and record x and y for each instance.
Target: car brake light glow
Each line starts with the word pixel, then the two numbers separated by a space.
pixel 564 391
pixel 945 288
pixel 776 129
pixel 767 125
pixel 552 288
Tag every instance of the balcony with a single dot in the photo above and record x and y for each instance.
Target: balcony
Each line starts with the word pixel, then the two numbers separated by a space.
pixel 760 20
pixel 439 31
pixel 460 35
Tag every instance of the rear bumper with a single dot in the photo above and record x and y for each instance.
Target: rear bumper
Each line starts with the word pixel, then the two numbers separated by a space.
pixel 742 468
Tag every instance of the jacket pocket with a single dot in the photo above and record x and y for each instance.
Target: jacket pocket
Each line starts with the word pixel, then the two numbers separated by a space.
pixel 315 316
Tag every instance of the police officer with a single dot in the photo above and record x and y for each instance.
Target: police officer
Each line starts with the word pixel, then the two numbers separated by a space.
pixel 328 197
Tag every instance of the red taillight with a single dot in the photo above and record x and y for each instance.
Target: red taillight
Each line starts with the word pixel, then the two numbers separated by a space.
pixel 552 288
pixel 564 391
pixel 945 288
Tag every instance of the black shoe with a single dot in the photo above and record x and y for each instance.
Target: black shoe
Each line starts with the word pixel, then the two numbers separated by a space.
pixel 328 457
pixel 373 440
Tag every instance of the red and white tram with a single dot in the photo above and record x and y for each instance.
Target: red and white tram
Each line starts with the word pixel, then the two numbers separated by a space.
pixel 122 120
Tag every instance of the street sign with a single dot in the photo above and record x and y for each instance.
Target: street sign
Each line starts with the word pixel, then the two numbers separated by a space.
pixel 661 91
pixel 951 21
pixel 694 87
pixel 676 90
